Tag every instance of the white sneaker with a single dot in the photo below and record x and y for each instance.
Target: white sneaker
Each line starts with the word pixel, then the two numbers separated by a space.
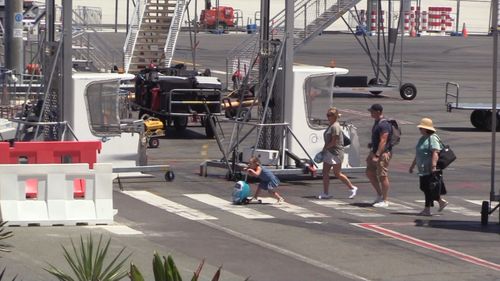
pixel 354 190
pixel 324 196
pixel 378 199
pixel 381 204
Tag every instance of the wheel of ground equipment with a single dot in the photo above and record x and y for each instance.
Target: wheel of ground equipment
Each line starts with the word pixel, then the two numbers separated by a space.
pixel 209 131
pixel 485 212
pixel 408 91
pixel 153 143
pixel 169 176
pixel 477 118
pixel 244 115
pixel 374 81
pixel 376 93
pixel 180 123
pixel 487 121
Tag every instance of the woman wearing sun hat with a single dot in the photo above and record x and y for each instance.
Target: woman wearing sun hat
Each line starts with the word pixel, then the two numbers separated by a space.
pixel 426 157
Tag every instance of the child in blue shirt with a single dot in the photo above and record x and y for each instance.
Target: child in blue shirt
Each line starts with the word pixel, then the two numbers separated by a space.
pixel 268 181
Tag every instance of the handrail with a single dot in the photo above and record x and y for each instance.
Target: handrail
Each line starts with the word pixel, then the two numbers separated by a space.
pixel 448 94
pixel 132 33
pixel 173 33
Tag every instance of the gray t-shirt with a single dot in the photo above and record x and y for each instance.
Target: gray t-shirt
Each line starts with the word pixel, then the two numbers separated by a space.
pixel 330 132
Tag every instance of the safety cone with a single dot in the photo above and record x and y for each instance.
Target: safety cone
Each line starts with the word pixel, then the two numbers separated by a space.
pixel 464 31
pixel 413 33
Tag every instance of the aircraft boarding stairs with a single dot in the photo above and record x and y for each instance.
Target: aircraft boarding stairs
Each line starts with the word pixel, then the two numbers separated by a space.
pixel 311 18
pixel 153 33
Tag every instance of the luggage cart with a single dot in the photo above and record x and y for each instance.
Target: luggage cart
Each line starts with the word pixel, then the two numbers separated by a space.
pixel 480 117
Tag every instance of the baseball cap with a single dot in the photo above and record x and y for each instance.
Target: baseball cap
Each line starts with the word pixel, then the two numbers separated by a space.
pixel 376 107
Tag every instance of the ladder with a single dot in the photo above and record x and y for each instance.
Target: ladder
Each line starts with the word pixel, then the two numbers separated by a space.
pixel 153 33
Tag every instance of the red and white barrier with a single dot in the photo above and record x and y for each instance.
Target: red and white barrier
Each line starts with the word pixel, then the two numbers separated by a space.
pixel 373 21
pixel 440 20
pixel 56 194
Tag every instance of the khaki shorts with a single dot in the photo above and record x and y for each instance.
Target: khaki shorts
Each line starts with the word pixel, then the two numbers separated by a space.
pixel 381 167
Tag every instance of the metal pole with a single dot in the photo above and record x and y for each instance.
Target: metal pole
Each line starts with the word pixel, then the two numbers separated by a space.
pixel 457 22
pixel 128 10
pixel 66 94
pixel 494 30
pixel 288 57
pixel 14 36
pixel 116 16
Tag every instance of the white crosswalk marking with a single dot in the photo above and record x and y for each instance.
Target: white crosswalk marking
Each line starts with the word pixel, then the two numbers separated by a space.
pixel 228 206
pixel 294 209
pixel 347 208
pixel 475 202
pixel 398 207
pixel 459 209
pixel 168 205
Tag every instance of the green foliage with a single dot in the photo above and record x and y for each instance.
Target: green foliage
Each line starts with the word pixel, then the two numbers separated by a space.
pixel 87 262
pixel 4 235
pixel 166 270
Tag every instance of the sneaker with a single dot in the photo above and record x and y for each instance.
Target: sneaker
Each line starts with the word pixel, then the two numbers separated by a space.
pixel 354 190
pixel 378 199
pixel 425 213
pixel 281 200
pixel 324 196
pixel 381 204
pixel 442 206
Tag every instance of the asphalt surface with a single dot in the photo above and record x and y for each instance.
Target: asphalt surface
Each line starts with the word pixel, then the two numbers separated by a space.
pixel 338 239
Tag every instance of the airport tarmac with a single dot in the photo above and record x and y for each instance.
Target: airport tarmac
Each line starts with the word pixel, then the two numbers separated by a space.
pixel 309 239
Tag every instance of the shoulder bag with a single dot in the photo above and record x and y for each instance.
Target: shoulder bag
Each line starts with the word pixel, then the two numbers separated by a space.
pixel 446 156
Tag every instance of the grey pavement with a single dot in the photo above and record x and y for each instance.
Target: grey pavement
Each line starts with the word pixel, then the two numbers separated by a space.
pixel 352 241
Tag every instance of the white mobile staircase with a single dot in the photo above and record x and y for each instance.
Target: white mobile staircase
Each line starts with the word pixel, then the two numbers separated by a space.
pixel 153 33
pixel 311 18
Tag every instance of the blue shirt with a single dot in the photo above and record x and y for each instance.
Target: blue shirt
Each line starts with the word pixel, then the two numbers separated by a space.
pixel 423 154
pixel 379 128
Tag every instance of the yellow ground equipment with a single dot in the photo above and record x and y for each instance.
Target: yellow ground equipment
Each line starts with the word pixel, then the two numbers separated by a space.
pixel 153 128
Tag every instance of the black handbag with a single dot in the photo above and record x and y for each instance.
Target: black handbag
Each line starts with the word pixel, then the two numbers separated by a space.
pixel 446 155
pixel 436 185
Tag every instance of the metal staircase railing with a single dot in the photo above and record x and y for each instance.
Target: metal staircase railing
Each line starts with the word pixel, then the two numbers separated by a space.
pixel 173 34
pixel 89 46
pixel 133 33
pixel 311 18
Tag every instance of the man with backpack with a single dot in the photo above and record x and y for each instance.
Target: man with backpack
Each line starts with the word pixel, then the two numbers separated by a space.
pixel 377 162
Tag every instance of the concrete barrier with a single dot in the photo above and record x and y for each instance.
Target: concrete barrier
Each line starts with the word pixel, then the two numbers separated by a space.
pixel 56 194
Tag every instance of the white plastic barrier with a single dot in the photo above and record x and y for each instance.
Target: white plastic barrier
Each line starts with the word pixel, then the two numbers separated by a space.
pixel 56 194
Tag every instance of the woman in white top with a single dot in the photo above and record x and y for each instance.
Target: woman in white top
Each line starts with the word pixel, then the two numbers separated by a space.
pixel 333 154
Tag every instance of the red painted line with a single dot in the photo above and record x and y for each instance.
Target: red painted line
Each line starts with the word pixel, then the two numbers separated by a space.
pixel 412 240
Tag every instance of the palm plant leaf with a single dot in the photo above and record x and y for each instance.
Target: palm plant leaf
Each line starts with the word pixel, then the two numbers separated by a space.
pixel 87 262
pixel 175 273
pixel 135 274
pixel 196 274
pixel 4 235
pixel 158 268
pixel 217 274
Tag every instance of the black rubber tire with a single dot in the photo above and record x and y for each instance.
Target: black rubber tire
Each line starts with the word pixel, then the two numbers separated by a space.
pixel 477 118
pixel 487 121
pixel 485 212
pixel 169 176
pixel 373 81
pixel 376 93
pixel 408 91
pixel 244 115
pixel 180 123
pixel 153 143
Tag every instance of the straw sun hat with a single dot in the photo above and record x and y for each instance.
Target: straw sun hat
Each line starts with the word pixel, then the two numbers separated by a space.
pixel 426 123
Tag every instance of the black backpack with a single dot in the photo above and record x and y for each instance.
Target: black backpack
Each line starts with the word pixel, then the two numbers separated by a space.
pixel 395 134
